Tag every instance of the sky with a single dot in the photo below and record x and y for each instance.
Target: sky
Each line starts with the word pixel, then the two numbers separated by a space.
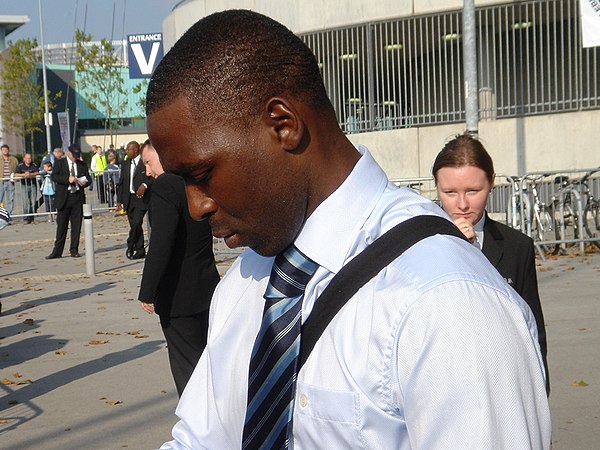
pixel 62 17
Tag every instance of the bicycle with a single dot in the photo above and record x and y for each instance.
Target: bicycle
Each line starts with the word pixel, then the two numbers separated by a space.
pixel 531 215
pixel 572 195
pixel 591 211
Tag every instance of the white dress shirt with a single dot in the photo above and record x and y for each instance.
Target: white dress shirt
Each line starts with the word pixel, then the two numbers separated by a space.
pixel 134 162
pixel 479 232
pixel 436 351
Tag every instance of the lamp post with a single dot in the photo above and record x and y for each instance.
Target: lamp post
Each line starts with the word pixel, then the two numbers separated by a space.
pixel 470 67
pixel 47 118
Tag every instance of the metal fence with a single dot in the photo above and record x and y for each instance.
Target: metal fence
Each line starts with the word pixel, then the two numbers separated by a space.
pixel 514 200
pixel 511 201
pixel 405 72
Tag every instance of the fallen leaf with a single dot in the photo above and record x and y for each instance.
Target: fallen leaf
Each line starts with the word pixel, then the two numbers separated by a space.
pixel 141 336
pixel 59 352
pixel 3 421
pixel 13 402
pixel 98 342
pixel 16 383
pixel 28 322
pixel 113 402
pixel 106 332
pixel 583 329
pixel 134 332
pixel 17 375
pixel 580 383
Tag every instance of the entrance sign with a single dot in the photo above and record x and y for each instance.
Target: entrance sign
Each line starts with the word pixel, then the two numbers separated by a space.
pixel 144 52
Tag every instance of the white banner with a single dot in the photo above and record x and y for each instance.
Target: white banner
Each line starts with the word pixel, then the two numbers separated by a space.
pixel 63 122
pixel 590 22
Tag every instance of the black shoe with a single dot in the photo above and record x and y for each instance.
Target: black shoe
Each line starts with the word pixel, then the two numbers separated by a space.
pixel 138 255
pixel 75 255
pixel 129 253
pixel 53 256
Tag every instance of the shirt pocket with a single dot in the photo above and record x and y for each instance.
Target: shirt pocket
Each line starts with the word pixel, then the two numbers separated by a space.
pixel 327 419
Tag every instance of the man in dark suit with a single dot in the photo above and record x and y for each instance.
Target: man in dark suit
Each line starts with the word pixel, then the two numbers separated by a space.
pixel 179 273
pixel 71 176
pixel 133 195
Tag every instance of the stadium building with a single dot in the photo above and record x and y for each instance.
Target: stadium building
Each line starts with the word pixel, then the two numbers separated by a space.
pixel 393 70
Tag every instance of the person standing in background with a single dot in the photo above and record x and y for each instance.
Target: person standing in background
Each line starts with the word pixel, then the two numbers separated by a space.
pixel 48 189
pixel 27 171
pixel 464 176
pixel 7 185
pixel 70 176
pixel 180 274
pixel 98 164
pixel 133 194
pixel 111 178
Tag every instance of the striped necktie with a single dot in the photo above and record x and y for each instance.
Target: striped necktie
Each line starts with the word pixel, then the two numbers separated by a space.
pixel 272 373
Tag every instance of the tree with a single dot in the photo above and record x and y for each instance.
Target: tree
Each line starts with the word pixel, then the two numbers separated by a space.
pixel 99 79
pixel 22 106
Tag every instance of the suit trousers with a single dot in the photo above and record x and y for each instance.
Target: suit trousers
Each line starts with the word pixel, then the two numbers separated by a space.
pixel 186 340
pixel 135 216
pixel 72 212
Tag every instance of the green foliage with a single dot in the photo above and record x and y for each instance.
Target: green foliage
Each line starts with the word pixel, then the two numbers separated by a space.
pixel 22 106
pixel 99 79
pixel 142 86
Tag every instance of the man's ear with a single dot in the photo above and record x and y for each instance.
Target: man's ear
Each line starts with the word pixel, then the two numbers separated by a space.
pixel 285 121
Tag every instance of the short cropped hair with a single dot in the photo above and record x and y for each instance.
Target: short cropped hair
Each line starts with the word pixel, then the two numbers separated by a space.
pixel 235 61
pixel 464 150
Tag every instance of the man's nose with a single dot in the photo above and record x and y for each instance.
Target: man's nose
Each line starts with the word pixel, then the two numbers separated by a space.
pixel 201 206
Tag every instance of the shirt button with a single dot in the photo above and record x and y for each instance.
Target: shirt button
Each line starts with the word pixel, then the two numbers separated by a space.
pixel 303 401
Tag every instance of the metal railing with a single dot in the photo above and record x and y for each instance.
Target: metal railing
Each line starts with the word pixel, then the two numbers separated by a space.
pixel 522 202
pixel 406 72
pixel 512 201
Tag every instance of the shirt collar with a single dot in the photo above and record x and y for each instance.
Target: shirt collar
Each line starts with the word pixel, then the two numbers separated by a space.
pixel 339 218
pixel 478 229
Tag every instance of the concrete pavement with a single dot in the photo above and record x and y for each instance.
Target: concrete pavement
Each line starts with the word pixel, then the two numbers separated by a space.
pixel 82 366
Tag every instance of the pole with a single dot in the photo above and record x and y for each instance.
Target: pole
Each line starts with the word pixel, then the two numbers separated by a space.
pixel 46 113
pixel 88 231
pixel 470 67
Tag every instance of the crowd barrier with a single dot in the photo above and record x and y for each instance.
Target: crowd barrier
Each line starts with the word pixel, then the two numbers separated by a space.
pixel 555 208
pixel 523 202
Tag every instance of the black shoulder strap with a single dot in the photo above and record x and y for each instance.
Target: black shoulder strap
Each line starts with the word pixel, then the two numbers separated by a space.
pixel 362 268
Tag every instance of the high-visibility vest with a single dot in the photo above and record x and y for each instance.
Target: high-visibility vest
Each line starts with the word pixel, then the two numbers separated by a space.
pixel 99 164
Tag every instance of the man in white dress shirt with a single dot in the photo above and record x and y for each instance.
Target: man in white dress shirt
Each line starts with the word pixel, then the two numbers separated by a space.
pixel 436 351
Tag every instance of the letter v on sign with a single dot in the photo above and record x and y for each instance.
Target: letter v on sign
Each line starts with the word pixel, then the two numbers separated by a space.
pixel 145 66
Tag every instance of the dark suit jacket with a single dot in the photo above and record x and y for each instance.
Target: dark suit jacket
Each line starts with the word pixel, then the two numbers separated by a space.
pixel 179 272
pixel 60 176
pixel 513 255
pixel 139 177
